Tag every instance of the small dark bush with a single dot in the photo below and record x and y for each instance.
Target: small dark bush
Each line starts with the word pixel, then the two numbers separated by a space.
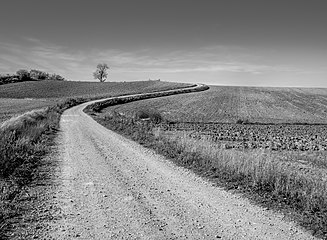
pixel 240 121
pixel 151 115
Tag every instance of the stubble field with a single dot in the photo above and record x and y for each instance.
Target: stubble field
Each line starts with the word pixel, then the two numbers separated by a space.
pixel 225 104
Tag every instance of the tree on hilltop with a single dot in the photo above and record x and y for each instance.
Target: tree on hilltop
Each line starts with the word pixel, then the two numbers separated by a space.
pixel 55 77
pixel 23 74
pixel 101 72
pixel 38 75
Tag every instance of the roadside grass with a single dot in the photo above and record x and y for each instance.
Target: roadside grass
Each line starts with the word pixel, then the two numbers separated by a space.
pixel 24 141
pixel 11 107
pixel 281 185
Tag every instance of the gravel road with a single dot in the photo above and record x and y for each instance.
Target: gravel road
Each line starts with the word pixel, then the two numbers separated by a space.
pixel 112 188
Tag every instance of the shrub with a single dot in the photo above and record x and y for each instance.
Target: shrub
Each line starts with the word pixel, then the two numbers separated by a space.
pixel 55 77
pixel 38 75
pixel 241 121
pixel 151 115
pixel 23 74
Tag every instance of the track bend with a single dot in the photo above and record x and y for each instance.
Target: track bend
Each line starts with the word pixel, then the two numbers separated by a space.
pixel 112 188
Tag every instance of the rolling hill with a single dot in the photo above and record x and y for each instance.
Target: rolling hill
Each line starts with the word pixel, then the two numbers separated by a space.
pixel 229 104
pixel 17 98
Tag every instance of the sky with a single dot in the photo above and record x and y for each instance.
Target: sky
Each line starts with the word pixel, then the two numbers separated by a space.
pixel 217 42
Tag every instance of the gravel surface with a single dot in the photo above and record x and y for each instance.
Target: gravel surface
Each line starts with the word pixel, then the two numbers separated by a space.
pixel 112 188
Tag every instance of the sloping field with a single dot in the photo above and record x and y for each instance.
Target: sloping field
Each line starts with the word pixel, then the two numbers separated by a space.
pixel 229 104
pixel 68 89
pixel 18 98
pixel 10 107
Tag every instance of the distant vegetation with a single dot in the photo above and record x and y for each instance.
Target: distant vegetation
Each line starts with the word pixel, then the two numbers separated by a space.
pixel 23 75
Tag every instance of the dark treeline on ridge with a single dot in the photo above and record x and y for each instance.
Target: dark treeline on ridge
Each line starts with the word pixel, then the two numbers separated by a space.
pixel 32 75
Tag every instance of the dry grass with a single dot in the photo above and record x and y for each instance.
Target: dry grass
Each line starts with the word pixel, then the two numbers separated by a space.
pixel 25 118
pixel 24 140
pixel 260 170
pixel 21 139
pixel 10 107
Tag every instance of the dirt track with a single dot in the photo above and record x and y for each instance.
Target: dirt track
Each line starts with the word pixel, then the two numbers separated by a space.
pixel 113 188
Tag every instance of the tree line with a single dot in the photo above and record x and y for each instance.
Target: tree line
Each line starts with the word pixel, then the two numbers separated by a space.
pixel 32 75
pixel 22 75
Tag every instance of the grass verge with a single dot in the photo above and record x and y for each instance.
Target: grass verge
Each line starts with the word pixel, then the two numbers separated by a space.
pixel 301 193
pixel 24 141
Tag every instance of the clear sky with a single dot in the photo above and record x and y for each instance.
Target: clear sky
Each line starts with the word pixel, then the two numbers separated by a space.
pixel 223 42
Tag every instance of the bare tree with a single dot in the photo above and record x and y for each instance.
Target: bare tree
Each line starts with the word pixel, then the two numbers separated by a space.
pixel 101 72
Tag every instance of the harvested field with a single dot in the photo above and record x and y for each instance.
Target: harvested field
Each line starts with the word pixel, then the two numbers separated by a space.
pixel 229 104
pixel 69 89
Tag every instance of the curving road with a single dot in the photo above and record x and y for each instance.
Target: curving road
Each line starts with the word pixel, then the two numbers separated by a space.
pixel 113 188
